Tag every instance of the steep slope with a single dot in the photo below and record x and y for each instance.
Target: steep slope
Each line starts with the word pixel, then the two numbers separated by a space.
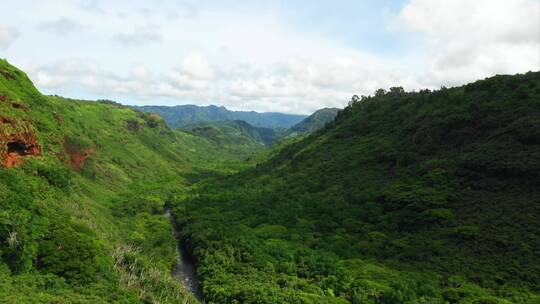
pixel 184 115
pixel 314 122
pixel 82 188
pixel 429 197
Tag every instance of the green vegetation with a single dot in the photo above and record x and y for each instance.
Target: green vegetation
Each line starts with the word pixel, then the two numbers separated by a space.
pixel 427 197
pixel 314 122
pixel 235 132
pixel 81 211
pixel 242 128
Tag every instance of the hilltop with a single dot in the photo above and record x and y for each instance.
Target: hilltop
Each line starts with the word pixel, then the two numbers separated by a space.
pixel 314 122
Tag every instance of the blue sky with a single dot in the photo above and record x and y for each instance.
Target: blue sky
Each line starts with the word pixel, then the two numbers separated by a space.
pixel 288 56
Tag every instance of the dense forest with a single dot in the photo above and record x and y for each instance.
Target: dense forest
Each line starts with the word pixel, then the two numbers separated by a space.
pixel 232 127
pixel 421 197
pixel 405 197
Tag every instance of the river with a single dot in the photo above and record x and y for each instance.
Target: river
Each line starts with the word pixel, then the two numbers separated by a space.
pixel 184 270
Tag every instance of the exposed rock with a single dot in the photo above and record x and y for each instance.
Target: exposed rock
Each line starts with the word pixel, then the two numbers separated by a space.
pixel 17 140
pixel 16 146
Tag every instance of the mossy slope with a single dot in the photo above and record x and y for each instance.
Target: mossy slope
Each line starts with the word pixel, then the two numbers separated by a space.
pixel 80 216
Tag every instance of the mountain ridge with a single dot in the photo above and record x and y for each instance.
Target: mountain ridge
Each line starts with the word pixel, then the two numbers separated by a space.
pixel 314 122
pixel 180 116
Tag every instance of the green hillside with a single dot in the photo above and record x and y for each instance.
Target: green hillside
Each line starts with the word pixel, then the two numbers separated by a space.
pixel 185 115
pixel 313 122
pixel 82 191
pixel 236 132
pixel 426 197
pixel 422 197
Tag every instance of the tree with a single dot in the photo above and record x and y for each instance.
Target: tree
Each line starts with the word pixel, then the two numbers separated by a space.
pixel 354 99
pixel 397 90
pixel 380 92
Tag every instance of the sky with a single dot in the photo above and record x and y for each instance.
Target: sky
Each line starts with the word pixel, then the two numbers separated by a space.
pixel 292 56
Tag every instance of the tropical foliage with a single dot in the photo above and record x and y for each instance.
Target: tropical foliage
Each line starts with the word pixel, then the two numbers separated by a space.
pixel 423 197
pixel 81 217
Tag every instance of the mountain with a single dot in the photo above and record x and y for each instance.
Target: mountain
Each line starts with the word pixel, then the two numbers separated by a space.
pixel 240 132
pixel 83 186
pixel 223 125
pixel 421 197
pixel 314 122
pixel 235 132
pixel 184 115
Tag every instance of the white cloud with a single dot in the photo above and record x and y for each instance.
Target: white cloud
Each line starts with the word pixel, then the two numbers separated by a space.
pixel 513 21
pixel 256 59
pixel 7 36
pixel 142 35
pixel 61 26
pixel 469 40
pixel 196 66
pixel 88 5
pixel 142 73
pixel 243 89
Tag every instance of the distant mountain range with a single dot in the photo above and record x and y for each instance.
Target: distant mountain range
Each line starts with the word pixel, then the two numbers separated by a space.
pixel 225 126
pixel 185 115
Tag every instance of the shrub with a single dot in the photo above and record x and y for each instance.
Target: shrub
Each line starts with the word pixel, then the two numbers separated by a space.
pixel 72 251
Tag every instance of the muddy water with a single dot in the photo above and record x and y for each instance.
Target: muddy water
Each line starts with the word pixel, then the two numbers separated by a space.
pixel 184 271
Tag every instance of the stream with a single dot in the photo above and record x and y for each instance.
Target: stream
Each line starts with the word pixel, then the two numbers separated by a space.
pixel 184 270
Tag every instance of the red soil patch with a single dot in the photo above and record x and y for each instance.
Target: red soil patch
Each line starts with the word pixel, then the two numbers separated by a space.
pixel 77 158
pixel 3 98
pixel 16 146
pixel 7 121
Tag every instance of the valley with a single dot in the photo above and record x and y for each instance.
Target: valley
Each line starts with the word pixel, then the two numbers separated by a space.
pixel 184 269
pixel 270 152
pixel 401 197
